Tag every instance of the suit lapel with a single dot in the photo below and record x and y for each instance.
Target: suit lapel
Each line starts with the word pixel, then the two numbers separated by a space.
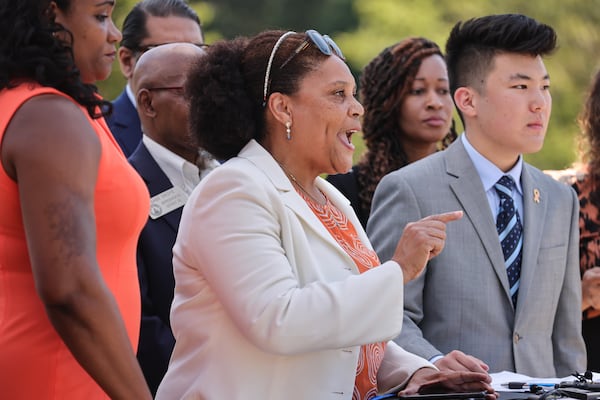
pixel 155 179
pixel 126 118
pixel 256 154
pixel 533 228
pixel 468 189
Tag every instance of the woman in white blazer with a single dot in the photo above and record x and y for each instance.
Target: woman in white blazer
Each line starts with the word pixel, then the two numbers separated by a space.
pixel 278 292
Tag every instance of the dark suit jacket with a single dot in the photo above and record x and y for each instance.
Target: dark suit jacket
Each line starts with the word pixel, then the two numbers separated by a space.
pixel 125 124
pixel 155 269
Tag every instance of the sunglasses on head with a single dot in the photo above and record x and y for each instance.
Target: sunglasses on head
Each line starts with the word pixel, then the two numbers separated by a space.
pixel 324 43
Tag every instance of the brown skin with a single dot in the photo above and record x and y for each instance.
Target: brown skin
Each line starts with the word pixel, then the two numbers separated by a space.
pixel 56 190
pixel 57 199
pixel 426 111
pixel 322 114
pixel 427 380
pixel 164 113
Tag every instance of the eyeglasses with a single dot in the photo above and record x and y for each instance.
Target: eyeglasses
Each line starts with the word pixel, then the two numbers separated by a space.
pixel 142 49
pixel 177 90
pixel 323 42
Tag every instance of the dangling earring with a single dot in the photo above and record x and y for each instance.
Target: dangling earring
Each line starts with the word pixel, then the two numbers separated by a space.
pixel 288 130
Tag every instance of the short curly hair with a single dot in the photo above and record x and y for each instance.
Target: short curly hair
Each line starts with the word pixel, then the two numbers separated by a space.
pixel 225 88
pixel 30 50
pixel 384 84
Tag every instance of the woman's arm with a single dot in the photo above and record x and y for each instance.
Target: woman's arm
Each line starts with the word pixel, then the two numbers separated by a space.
pixel 52 152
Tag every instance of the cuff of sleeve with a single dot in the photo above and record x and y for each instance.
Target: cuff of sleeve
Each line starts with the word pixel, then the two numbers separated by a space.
pixel 435 358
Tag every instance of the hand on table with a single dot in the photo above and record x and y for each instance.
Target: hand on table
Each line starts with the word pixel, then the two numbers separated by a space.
pixel 428 380
pixel 456 360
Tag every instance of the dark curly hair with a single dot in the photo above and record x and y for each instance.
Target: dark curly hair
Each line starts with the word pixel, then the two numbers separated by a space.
pixel 384 84
pixel 30 50
pixel 225 88
pixel 589 137
pixel 472 45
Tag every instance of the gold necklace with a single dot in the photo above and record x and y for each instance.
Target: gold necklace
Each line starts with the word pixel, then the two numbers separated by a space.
pixel 295 181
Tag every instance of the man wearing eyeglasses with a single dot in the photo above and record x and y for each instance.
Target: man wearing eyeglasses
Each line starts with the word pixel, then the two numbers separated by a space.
pixel 170 163
pixel 149 24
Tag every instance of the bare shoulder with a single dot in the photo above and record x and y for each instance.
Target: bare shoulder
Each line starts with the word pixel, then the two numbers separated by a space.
pixel 48 128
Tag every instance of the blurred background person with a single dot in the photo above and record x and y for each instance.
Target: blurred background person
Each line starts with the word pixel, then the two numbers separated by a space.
pixel 275 279
pixel 585 179
pixel 71 210
pixel 149 24
pixel 408 116
pixel 171 164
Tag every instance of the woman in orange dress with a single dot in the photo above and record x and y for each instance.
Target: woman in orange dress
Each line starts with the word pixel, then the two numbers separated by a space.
pixel 71 209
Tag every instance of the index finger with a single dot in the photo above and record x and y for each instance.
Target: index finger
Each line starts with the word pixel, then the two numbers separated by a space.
pixel 446 217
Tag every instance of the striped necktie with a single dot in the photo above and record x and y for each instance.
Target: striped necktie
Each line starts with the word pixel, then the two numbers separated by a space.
pixel 510 231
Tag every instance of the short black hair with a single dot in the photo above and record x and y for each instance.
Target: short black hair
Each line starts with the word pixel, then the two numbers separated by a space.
pixel 473 44
pixel 134 27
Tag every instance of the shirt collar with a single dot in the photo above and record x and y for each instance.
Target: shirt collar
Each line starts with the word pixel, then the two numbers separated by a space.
pixel 488 172
pixel 182 173
pixel 130 95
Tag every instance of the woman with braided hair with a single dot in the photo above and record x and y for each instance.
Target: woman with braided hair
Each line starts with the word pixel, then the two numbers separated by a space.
pixel 408 115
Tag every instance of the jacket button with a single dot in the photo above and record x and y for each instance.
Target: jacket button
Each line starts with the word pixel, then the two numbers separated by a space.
pixel 516 338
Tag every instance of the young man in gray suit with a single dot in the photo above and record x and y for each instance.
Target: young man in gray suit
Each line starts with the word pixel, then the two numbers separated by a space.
pixel 505 293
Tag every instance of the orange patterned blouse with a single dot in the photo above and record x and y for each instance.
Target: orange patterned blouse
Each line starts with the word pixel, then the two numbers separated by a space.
pixel 342 230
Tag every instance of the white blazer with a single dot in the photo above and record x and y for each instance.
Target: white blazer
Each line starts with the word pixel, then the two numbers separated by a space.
pixel 267 305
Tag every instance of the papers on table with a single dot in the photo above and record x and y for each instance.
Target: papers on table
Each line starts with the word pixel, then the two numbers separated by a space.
pixel 504 377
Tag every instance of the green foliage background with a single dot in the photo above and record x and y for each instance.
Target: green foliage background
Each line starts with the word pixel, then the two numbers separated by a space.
pixel 363 28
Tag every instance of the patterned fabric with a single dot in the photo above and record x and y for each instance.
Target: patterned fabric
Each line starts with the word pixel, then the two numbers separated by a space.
pixel 589 248
pixel 371 355
pixel 510 231
pixel 589 223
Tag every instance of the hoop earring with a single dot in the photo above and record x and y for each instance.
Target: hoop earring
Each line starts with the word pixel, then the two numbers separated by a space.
pixel 288 130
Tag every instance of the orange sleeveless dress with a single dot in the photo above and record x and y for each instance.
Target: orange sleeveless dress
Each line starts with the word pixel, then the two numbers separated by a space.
pixel 34 361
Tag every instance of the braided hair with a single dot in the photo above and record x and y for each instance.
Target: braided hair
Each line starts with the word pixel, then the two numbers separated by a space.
pixel 384 84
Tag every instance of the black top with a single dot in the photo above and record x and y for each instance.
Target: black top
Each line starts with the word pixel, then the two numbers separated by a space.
pixel 349 186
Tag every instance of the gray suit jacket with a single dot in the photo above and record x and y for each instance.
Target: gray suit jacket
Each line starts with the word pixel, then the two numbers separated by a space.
pixel 462 299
